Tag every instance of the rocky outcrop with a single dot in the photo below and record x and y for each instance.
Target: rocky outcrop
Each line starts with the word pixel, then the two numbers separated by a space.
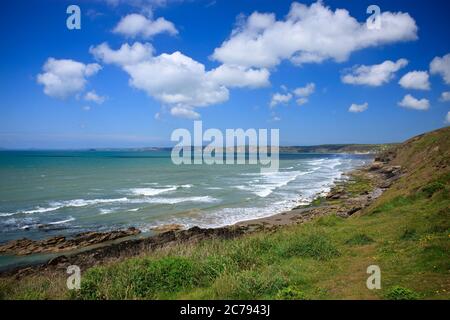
pixel 386 156
pixel 168 227
pixel 381 174
pixel 128 248
pixel 60 243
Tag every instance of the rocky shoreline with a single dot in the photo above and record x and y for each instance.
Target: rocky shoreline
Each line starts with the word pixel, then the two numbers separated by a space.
pixel 56 244
pixel 341 200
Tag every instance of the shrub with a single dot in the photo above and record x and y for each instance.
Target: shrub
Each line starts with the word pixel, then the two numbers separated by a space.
pixel 169 274
pixel 409 234
pixel 395 203
pixel 316 246
pixel 249 284
pixel 91 284
pixel 141 278
pixel 248 253
pixel 329 221
pixel 290 293
pixel 359 239
pixel 401 293
pixel 432 188
pixel 317 201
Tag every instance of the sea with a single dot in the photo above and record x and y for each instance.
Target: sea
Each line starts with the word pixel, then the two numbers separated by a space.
pixel 47 193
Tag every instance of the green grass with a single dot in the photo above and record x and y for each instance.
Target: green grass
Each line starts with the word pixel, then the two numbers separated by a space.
pixel 317 202
pixel 400 293
pixel 359 239
pixel 290 293
pixel 359 185
pixel 409 234
pixel 245 266
pixel 325 259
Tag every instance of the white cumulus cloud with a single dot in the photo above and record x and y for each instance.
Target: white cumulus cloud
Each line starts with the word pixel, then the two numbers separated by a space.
pixel 177 80
pixel 301 93
pixel 94 97
pixel 237 76
pixel 358 107
pixel 374 75
pixel 308 34
pixel 126 55
pixel 447 118
pixel 410 102
pixel 441 66
pixel 184 112
pixel 305 91
pixel 445 96
pixel 278 98
pixel 63 78
pixel 137 25
pixel 415 80
pixel 301 101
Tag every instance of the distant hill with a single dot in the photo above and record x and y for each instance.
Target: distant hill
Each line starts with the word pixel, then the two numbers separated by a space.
pixel 338 148
pixel 324 148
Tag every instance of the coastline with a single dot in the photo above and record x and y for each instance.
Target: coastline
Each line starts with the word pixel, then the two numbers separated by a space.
pixel 129 244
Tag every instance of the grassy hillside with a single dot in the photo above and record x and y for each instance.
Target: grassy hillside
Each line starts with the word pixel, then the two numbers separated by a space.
pixel 406 232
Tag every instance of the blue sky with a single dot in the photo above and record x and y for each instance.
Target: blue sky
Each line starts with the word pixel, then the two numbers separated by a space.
pixel 228 79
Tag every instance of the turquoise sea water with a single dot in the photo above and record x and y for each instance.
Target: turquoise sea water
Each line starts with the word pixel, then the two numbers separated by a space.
pixel 44 193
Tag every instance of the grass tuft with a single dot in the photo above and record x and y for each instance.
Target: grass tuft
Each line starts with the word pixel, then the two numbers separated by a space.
pixel 290 293
pixel 359 239
pixel 316 246
pixel 401 293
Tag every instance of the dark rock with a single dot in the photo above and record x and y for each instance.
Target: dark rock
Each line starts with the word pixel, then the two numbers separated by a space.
pixel 385 157
pixel 386 184
pixel 342 214
pixel 353 210
pixel 376 165
pixel 168 227
pixel 57 260
pixel 60 243
pixel 391 171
